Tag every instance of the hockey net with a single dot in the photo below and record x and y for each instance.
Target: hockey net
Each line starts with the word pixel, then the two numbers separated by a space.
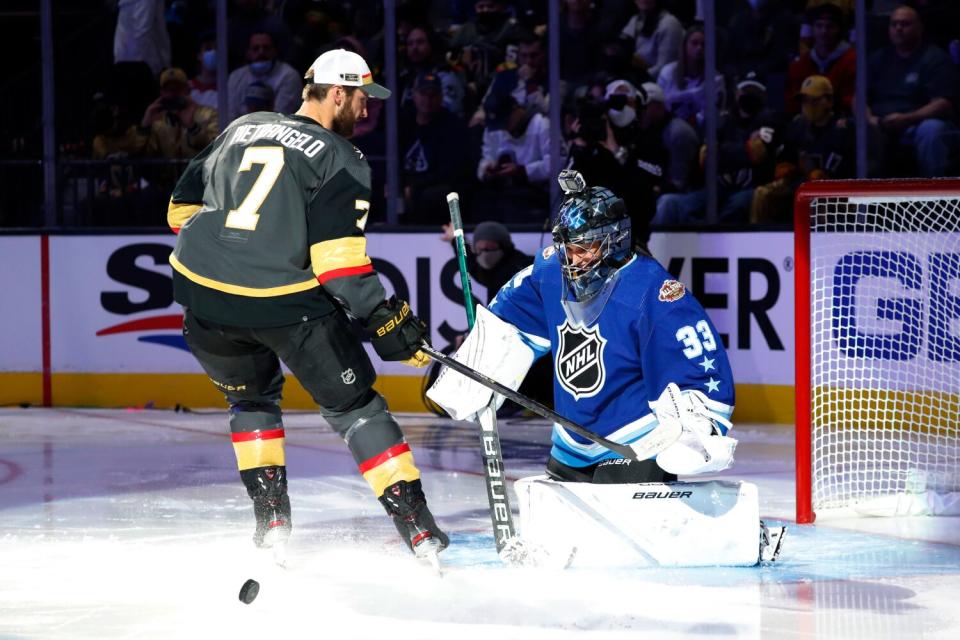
pixel 877 275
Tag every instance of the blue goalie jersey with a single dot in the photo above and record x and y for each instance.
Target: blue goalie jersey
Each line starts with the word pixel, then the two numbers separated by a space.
pixel 651 332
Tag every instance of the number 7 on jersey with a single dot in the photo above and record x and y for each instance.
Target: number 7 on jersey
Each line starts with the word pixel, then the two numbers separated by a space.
pixel 247 214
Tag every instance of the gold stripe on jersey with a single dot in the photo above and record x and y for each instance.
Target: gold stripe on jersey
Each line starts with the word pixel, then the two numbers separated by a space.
pixel 179 213
pixel 235 289
pixel 342 253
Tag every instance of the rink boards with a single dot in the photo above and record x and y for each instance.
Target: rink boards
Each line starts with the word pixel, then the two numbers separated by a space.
pixel 90 320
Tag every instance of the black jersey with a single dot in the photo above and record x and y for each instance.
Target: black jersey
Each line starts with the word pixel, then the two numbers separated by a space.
pixel 270 219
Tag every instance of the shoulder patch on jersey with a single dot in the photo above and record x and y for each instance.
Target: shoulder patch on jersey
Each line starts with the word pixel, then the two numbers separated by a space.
pixel 671 291
pixel 548 251
pixel 579 363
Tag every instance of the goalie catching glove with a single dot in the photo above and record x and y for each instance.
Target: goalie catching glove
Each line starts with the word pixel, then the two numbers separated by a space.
pixel 702 447
pixel 396 334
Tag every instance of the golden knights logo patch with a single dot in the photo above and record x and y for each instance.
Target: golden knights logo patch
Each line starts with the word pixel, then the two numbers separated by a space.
pixel 671 291
pixel 579 363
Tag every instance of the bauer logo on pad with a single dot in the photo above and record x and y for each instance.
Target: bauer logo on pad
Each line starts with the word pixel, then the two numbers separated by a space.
pixel 671 291
pixel 579 363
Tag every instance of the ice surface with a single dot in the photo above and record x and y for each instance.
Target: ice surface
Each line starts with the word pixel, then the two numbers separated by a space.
pixel 133 524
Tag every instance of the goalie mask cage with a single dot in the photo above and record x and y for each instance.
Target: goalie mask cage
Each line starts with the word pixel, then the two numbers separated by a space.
pixel 877 281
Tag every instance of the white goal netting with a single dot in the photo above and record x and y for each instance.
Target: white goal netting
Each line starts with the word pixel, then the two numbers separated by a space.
pixel 885 350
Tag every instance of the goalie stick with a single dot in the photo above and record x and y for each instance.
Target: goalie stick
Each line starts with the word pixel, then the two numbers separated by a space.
pixel 493 470
pixel 662 436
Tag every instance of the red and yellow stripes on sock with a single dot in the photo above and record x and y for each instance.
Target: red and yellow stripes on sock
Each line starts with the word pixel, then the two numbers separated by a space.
pixel 263 448
pixel 393 465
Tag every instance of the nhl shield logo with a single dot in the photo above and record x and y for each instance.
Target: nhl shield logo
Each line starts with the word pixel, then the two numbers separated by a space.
pixel 579 364
pixel 348 376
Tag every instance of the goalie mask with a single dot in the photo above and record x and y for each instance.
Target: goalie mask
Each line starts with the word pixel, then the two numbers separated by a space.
pixel 592 238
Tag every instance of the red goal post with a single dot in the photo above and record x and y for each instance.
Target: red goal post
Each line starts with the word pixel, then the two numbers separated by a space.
pixel 848 453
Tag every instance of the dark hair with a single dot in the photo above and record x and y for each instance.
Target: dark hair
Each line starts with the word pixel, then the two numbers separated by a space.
pixel 827 10
pixel 529 38
pixel 680 71
pixel 262 32
pixel 437 45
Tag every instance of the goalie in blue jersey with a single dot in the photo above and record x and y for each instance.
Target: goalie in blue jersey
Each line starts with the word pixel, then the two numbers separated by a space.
pixel 620 329
pixel 631 348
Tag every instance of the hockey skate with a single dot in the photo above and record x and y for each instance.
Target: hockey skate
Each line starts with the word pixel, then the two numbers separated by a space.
pixel 406 504
pixel 771 540
pixel 267 487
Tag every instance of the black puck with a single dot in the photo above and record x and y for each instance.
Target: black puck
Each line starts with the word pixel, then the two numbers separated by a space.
pixel 249 591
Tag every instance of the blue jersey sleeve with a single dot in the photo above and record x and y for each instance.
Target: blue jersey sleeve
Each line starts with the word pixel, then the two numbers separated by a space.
pixel 519 302
pixel 684 347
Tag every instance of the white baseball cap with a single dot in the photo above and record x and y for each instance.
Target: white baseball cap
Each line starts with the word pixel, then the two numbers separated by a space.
pixel 347 69
pixel 654 93
pixel 614 88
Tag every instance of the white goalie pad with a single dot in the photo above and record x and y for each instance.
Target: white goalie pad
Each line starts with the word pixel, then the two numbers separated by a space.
pixel 700 448
pixel 494 348
pixel 678 524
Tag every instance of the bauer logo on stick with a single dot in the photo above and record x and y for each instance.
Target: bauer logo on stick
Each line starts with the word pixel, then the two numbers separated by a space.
pixel 579 364
pixel 671 291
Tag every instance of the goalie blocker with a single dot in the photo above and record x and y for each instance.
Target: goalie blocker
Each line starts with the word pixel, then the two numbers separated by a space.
pixel 678 524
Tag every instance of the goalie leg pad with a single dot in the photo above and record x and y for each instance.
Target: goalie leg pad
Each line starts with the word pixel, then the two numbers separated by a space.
pixel 682 524
pixel 494 348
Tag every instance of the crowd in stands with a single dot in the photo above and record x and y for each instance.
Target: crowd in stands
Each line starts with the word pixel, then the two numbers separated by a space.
pixel 473 95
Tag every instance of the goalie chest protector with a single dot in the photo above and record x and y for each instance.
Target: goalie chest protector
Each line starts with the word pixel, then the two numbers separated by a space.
pixel 652 331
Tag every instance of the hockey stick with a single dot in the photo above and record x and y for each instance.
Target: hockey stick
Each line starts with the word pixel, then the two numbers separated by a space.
pixel 661 437
pixel 493 471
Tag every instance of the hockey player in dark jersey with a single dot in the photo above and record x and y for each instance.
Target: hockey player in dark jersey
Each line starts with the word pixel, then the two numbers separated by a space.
pixel 270 265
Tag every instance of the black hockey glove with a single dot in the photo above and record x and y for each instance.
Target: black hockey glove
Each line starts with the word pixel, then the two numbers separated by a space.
pixel 397 334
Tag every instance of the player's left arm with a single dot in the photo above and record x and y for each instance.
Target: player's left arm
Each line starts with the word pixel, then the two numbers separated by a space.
pixel 187 197
pixel 336 218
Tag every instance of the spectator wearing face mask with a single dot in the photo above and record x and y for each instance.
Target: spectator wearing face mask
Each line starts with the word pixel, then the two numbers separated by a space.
pixel 817 145
pixel 595 152
pixel 203 86
pixel 264 66
pixel 492 261
pixel 748 136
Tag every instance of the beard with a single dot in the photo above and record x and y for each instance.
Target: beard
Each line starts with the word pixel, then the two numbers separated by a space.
pixel 344 121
